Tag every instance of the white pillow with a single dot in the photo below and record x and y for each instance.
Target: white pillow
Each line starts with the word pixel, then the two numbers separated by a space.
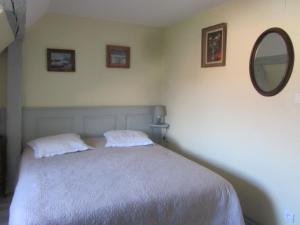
pixel 126 138
pixel 57 145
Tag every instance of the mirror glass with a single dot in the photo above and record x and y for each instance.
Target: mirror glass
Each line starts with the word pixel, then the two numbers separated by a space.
pixel 271 62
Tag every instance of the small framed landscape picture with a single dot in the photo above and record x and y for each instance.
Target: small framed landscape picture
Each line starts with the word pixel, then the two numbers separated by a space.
pixel 60 60
pixel 117 56
pixel 214 45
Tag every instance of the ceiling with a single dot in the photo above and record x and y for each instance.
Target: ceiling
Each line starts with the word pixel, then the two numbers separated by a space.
pixel 36 9
pixel 158 13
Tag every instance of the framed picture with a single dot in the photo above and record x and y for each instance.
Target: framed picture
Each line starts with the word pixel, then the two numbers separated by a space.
pixel 214 45
pixel 117 56
pixel 60 60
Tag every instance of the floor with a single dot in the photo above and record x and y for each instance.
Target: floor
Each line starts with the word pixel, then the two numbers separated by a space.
pixel 4 206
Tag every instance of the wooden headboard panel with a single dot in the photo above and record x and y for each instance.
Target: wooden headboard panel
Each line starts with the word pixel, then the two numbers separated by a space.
pixel 86 121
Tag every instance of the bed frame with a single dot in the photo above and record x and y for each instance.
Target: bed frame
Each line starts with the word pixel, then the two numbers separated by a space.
pixel 86 121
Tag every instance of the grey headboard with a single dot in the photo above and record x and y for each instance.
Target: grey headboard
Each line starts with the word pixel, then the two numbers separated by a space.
pixel 86 121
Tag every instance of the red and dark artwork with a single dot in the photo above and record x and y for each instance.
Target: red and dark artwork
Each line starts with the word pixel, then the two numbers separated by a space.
pixel 214 46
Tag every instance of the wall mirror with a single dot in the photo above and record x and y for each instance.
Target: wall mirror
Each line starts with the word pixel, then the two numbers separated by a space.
pixel 272 61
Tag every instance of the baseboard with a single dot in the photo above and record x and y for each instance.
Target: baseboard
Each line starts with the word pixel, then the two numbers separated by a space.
pixel 249 221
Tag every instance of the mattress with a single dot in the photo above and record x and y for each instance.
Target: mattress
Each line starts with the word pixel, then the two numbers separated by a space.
pixel 148 185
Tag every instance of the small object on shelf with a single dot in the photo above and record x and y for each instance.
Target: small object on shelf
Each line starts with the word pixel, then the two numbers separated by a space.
pixel 159 114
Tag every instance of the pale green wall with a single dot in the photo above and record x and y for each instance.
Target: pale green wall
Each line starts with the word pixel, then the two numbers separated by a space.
pixel 218 118
pixel 93 84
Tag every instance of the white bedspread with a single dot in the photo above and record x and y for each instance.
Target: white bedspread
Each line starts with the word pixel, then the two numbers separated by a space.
pixel 147 185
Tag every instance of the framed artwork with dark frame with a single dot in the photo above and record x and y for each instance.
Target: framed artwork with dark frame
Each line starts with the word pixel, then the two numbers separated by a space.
pixel 214 45
pixel 60 60
pixel 117 56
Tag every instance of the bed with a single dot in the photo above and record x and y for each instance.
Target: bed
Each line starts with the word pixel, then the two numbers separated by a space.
pixel 148 185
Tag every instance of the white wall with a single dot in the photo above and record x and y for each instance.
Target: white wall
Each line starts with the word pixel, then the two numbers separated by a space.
pixel 218 118
pixel 93 84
